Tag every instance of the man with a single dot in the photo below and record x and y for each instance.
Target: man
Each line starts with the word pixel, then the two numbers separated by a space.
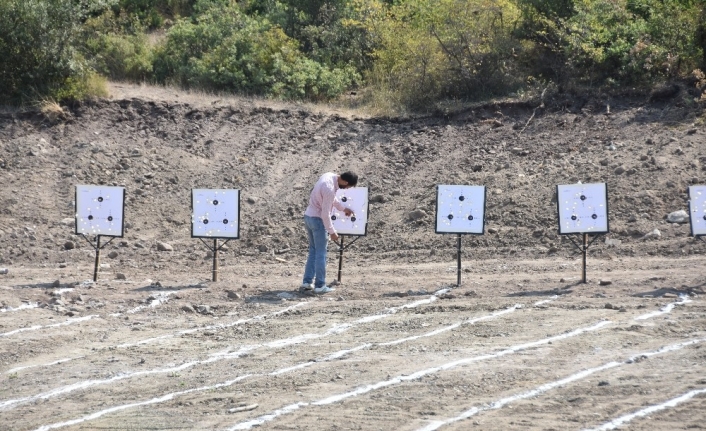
pixel 317 220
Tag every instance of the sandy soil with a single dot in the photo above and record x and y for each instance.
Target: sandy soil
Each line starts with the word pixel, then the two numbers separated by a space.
pixel 520 344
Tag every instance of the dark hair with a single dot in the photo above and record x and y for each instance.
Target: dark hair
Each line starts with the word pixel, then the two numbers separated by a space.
pixel 350 177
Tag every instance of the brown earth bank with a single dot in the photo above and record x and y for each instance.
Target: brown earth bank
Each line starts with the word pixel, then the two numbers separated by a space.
pixel 520 344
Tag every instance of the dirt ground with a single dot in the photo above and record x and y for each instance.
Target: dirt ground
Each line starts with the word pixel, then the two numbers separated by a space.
pixel 521 344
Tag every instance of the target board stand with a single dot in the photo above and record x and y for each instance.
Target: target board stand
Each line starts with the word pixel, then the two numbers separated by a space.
pixel 582 210
pixel 215 215
pixel 697 211
pixel 355 199
pixel 99 212
pixel 460 210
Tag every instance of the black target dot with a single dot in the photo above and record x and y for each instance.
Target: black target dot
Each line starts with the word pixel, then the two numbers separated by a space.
pixel 352 218
pixel 594 216
pixel 215 202
pixel 110 218
pixel 225 221
pixel 90 217
pixel 573 217
pixel 100 199
pixel 583 198
pixel 333 217
pixel 451 216
pixel 461 198
pixel 470 217
pixel 344 199
pixel 205 221
pixel 704 216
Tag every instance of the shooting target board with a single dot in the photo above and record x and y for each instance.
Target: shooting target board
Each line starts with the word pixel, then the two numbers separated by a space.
pixel 697 210
pixel 460 209
pixel 216 213
pixel 99 210
pixel 582 208
pixel 356 199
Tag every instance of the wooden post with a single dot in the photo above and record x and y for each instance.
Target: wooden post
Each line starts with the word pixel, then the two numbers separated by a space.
pixel 458 261
pixel 585 252
pixel 98 258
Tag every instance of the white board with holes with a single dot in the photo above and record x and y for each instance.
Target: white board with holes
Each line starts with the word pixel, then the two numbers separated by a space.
pixel 99 210
pixel 460 209
pixel 697 210
pixel 356 199
pixel 215 213
pixel 582 208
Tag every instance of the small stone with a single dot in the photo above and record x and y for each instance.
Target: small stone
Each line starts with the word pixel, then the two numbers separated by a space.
pixel 188 308
pixel 619 170
pixel 417 214
pixel 655 234
pixel 56 283
pixel 252 200
pixel 603 383
pixel 378 199
pixel 120 276
pixel 609 306
pixel 605 282
pixel 163 246
pixel 113 254
pixel 492 230
pixel 262 248
pixel 233 294
pixel 623 310
pixel 69 245
pixel 680 216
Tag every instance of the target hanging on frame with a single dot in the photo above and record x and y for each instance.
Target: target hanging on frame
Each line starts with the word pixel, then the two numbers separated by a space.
pixel 215 215
pixel 99 211
pixel 697 210
pixel 582 209
pixel 355 199
pixel 460 210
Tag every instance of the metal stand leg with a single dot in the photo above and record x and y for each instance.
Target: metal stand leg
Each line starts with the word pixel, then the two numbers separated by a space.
pixel 585 253
pixel 215 259
pixel 98 258
pixel 340 260
pixel 458 261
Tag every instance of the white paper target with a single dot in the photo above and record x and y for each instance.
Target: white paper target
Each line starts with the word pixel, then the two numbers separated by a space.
pixel 697 210
pixel 99 210
pixel 582 208
pixel 460 209
pixel 216 213
pixel 356 199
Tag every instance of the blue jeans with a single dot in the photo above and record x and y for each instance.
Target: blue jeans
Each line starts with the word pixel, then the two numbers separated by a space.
pixel 315 268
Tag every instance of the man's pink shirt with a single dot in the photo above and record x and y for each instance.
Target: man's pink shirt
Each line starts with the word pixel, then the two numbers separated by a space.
pixel 323 199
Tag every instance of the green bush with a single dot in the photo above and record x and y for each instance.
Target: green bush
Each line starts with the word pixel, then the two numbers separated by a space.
pixel 435 49
pixel 117 47
pixel 224 49
pixel 38 41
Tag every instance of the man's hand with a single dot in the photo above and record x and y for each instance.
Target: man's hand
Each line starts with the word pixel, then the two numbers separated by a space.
pixel 334 237
pixel 348 212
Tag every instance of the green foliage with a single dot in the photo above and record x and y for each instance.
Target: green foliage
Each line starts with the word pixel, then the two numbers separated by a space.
pixel 624 42
pixel 223 48
pixel 38 47
pixel 435 49
pixel 117 47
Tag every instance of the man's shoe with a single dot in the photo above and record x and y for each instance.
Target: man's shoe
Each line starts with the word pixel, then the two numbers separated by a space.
pixel 323 289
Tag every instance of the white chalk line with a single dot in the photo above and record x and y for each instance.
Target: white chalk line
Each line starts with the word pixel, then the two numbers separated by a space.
pixel 683 299
pixel 552 385
pixel 336 329
pixel 408 377
pixel 333 356
pixel 54 325
pixel 139 404
pixel 59 361
pixel 187 331
pixel 545 301
pixel 159 299
pixel 21 307
pixel 262 419
pixel 648 410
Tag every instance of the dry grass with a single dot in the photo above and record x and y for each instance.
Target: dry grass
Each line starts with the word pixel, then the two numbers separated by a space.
pixel 51 110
